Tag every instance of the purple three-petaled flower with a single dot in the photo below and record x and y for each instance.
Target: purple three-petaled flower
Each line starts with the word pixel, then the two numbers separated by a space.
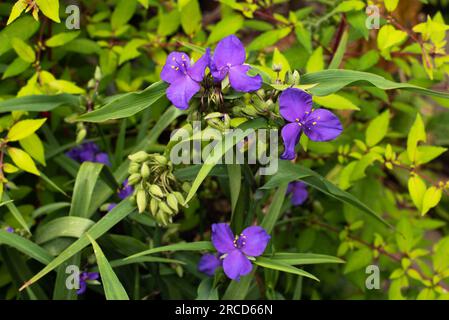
pixel 122 193
pixel 295 106
pixel 88 151
pixel 184 79
pixel 228 59
pixel 209 263
pixel 234 251
pixel 299 192
pixel 10 229
pixel 84 277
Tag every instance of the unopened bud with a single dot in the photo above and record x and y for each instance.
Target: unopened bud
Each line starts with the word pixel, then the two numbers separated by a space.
pixel 134 179
pixel 145 171
pixel 140 156
pixel 172 201
pixel 160 159
pixel 156 191
pixel 141 199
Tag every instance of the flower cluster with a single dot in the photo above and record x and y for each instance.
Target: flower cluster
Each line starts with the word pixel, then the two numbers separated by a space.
pixel 155 186
pixel 234 252
pixel 228 60
pixel 88 151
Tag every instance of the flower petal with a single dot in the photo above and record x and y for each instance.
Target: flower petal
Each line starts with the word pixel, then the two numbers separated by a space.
pixel 236 265
pixel 229 52
pixel 103 158
pixel 240 81
pixel 196 72
pixel 181 91
pixel 92 276
pixel 294 103
pixel 175 67
pixel 298 189
pixel 82 289
pixel 256 240
pixel 208 264
pixel 222 237
pixel 322 125
pixel 290 134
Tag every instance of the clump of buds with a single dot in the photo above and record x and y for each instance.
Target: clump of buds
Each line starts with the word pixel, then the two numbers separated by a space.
pixel 155 187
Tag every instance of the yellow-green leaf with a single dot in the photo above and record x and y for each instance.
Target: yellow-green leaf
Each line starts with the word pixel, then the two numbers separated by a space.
pixel 24 128
pixel 17 10
pixel 417 189
pixel 417 133
pixel 377 129
pixel 34 147
pixel 23 50
pixel 335 101
pixel 9 168
pixel 280 61
pixel 316 61
pixel 431 199
pixel 61 39
pixel 49 8
pixel 391 5
pixel 23 160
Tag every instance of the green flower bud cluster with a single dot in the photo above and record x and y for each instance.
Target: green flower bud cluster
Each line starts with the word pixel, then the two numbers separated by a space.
pixel 155 187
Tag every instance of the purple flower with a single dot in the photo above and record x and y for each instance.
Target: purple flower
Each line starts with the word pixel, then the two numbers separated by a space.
pixel 10 229
pixel 88 151
pixel 209 263
pixel 229 58
pixel 111 206
pixel 126 191
pixel 295 106
pixel 299 192
pixel 84 277
pixel 236 250
pixel 184 79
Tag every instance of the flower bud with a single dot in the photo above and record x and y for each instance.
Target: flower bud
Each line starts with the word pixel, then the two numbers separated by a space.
pixel 141 198
pixel 140 156
pixel 164 207
pixel 172 201
pixel 81 135
pixel 179 197
pixel 156 191
pixel 160 159
pixel 133 168
pixel 162 218
pixel 186 187
pixel 154 206
pixel 134 179
pixel 145 171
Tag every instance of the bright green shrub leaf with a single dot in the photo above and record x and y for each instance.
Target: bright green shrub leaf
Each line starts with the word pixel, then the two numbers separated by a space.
pixel 377 129
pixel 417 134
pixel 431 198
pixel 350 5
pixel 15 68
pixel 358 260
pixel 417 188
pixel 24 128
pixel 168 23
pixel 336 102
pixel 389 38
pixel 34 147
pixel 228 25
pixel 23 160
pixel 280 61
pixel 391 5
pixel 123 12
pixel 17 10
pixel 304 37
pixel 425 154
pixel 316 61
pixel 49 8
pixel 268 38
pixel 24 51
pixel 191 19
pixel 61 39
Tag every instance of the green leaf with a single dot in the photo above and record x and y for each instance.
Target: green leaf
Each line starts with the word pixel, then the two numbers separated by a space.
pixel 336 102
pixel 191 19
pixel 25 246
pixel 417 188
pixel 123 12
pixel 127 105
pixel 280 61
pixel 73 227
pixel 23 160
pixel 377 129
pixel 350 5
pixel 183 246
pixel 340 53
pixel 416 134
pixel 391 5
pixel 333 80
pixel 268 38
pixel 235 183
pixel 230 24
pixel 113 289
pixel 38 103
pixel 34 147
pixel 15 68
pixel 168 23
pixel 425 154
pixel 431 199
pixel 14 211
pixel 61 39
pixel 358 260
pixel 280 266
pixel 17 10
pixel 389 38
pixel 288 172
pixel 24 128
pixel 304 258
pixel 304 37
pixel 50 8
pixel 275 210
pixel 23 28
pixel 122 210
pixel 24 51
pixel 316 61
